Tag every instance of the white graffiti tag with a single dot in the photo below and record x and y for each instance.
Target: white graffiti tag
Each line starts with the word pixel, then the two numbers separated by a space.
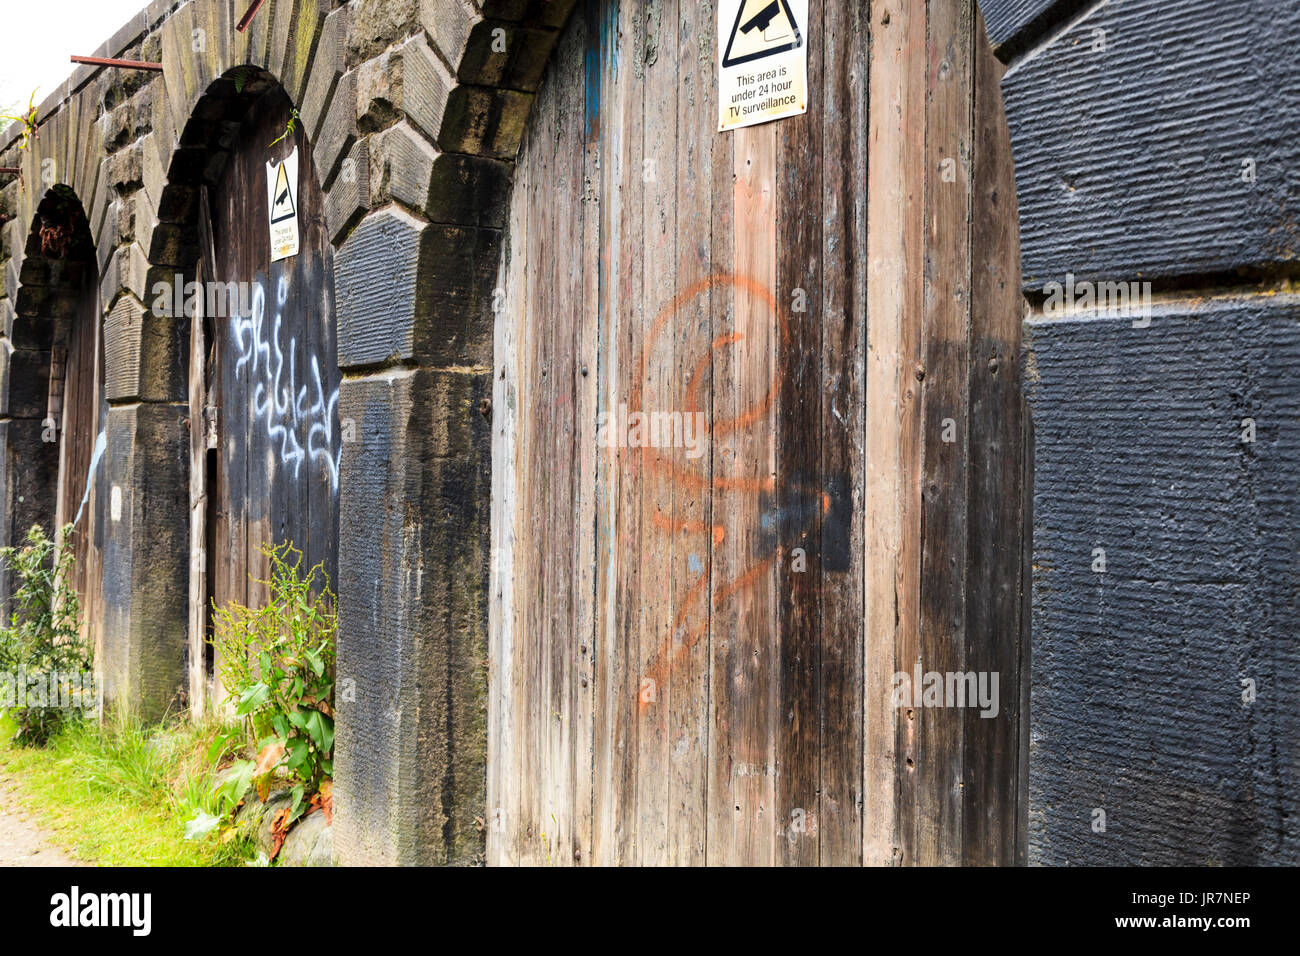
pixel 286 410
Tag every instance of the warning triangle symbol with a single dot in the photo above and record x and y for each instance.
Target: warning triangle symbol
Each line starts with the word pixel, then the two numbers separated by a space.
pixel 763 28
pixel 282 198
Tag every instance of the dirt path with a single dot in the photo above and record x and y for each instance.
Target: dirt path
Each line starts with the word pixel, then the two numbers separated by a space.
pixel 23 842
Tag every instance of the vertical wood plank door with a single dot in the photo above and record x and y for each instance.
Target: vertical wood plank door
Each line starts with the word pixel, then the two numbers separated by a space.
pixel 757 454
pixel 266 375
pixel 77 375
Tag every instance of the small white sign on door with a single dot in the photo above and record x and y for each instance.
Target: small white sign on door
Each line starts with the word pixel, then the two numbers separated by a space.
pixel 762 61
pixel 282 201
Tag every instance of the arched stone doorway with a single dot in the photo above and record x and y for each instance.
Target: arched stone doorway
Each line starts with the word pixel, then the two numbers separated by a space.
pixel 263 369
pixel 56 408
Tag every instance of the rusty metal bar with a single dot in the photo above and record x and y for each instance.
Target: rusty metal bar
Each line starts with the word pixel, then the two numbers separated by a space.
pixel 15 170
pixel 247 18
pixel 120 64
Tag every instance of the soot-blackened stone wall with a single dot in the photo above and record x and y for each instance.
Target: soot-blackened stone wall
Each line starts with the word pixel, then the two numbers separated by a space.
pixel 1159 142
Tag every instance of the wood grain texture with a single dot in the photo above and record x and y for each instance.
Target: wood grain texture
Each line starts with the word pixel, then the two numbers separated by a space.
pixel 842 467
pixel 808 287
pixel 79 425
pixel 895 229
pixel 945 434
pixel 998 504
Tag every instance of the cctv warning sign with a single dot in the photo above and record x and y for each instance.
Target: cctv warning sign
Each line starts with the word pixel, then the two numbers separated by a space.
pixel 282 200
pixel 763 61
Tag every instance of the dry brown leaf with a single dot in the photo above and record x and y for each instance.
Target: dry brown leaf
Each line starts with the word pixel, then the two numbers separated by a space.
pixel 266 762
pixel 269 756
pixel 279 831
pixel 327 800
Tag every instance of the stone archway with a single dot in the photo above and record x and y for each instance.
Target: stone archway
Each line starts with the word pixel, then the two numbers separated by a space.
pixel 262 365
pixel 54 406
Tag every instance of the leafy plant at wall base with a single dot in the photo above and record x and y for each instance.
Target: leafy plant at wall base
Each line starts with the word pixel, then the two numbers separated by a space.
pixel 43 636
pixel 278 665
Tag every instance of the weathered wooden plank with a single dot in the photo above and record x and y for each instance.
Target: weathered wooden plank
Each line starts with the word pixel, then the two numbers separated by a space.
pixel 653 391
pixel 613 689
pixel 1026 657
pixel 944 425
pixel 744 585
pixel 894 301
pixel 795 509
pixel 200 587
pixel 535 486
pixel 689 332
pixel 628 671
pixel 78 429
pixel 566 311
pixel 843 421
pixel 508 718
pixel 586 411
pixel 720 809
pixel 998 507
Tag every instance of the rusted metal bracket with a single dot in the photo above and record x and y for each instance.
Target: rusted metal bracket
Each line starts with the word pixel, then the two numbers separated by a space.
pixel 247 18
pixel 120 64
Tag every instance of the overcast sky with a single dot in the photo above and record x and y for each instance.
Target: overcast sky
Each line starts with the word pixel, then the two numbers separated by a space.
pixel 38 36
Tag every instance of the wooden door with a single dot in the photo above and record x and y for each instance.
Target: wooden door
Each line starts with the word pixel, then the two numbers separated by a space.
pixel 694 647
pixel 265 459
pixel 78 405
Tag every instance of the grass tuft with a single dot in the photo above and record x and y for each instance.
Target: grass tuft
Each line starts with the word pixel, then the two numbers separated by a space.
pixel 121 794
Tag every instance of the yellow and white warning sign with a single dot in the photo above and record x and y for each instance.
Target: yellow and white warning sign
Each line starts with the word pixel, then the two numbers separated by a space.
pixel 282 200
pixel 762 61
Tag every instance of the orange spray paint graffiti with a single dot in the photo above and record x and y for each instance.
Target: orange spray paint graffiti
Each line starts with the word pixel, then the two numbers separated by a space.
pixel 748 481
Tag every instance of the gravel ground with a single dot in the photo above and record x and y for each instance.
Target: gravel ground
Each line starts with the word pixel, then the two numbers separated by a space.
pixel 22 842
